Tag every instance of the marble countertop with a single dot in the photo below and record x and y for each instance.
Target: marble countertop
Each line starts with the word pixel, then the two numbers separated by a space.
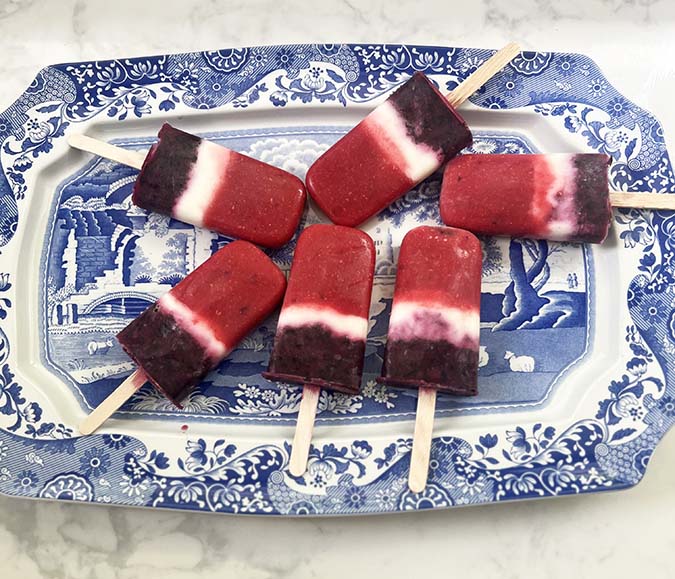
pixel 620 534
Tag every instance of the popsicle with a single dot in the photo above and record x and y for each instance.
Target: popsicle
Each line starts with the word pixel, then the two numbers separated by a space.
pixel 561 197
pixel 202 183
pixel 321 335
pixel 189 330
pixel 433 337
pixel 398 145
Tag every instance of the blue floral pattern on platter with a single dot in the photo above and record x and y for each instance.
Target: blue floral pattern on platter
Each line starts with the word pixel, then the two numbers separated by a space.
pixel 106 262
pixel 609 448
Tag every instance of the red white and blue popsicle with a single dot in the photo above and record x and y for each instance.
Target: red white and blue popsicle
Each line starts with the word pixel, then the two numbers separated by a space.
pixel 321 336
pixel 433 338
pixel 189 330
pixel 561 197
pixel 398 145
pixel 199 182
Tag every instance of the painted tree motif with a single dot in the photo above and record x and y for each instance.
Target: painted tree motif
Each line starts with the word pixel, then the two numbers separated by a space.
pixel 523 300
pixel 173 261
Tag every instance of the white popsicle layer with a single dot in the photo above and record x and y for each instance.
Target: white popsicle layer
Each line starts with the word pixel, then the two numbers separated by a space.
pixel 298 316
pixel 194 325
pixel 206 175
pixel 414 321
pixel 387 125
pixel 559 193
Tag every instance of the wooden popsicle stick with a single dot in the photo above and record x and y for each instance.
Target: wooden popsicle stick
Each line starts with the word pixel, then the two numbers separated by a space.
pixel 303 430
pixel 118 397
pixel 642 200
pixel 103 149
pixel 483 73
pixel 421 450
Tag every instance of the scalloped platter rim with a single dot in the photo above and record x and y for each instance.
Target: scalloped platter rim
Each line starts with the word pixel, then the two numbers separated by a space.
pixel 578 342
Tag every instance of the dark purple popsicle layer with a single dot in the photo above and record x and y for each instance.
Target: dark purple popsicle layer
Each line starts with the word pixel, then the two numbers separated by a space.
pixel 593 209
pixel 314 355
pixel 166 170
pixel 170 357
pixel 429 118
pixel 431 363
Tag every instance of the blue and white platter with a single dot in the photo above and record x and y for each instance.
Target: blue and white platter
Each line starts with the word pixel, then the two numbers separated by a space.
pixel 576 387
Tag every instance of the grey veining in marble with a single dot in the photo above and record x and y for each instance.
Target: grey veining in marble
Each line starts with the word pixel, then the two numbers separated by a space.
pixel 627 534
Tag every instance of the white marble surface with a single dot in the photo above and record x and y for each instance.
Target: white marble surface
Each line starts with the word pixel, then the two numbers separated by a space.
pixel 614 535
